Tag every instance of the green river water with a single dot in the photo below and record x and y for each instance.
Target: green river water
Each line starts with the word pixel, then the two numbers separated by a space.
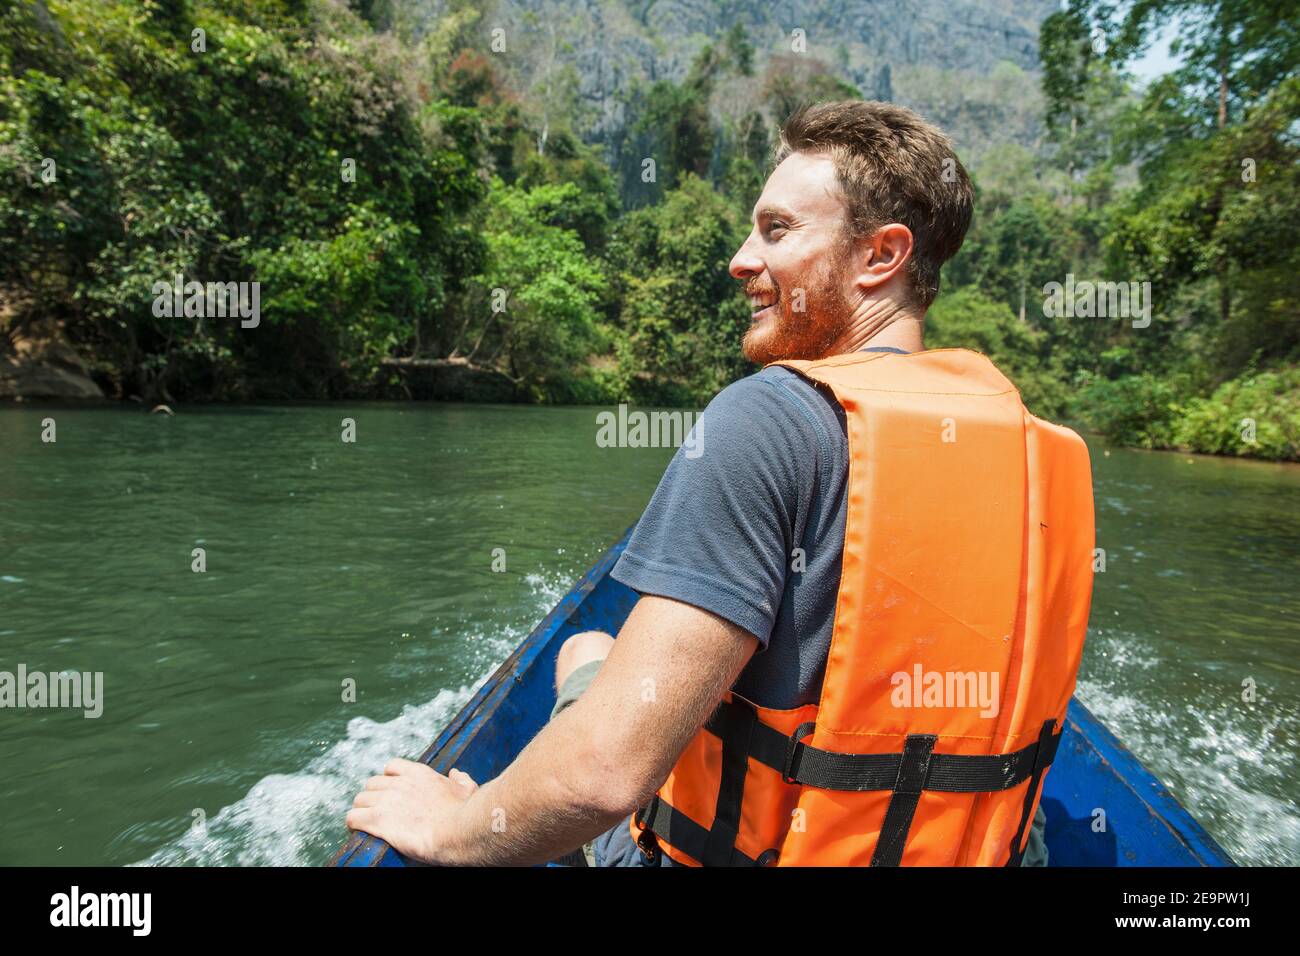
pixel 225 739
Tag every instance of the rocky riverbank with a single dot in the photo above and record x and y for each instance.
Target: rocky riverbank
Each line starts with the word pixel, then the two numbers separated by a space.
pixel 41 368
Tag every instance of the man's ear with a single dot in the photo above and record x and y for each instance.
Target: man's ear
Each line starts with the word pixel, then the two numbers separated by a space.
pixel 883 255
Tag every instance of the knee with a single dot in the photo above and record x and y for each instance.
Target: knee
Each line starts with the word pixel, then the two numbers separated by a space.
pixel 581 649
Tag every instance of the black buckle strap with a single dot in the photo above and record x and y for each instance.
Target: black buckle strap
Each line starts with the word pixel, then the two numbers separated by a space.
pixel 800 763
pixel 794 751
pixel 645 841
pixel 679 831
pixel 738 722
pixel 906 774
pixel 912 771
pixel 1041 760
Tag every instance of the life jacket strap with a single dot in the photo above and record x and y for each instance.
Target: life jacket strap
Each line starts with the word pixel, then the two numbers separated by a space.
pixel 682 833
pixel 1040 767
pixel 912 771
pixel 737 724
pixel 801 763
pixel 646 841
pixel 906 774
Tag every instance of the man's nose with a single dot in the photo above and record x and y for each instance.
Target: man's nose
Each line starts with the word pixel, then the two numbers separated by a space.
pixel 744 264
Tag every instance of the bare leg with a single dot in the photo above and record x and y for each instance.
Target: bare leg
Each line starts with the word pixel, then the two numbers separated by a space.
pixel 578 650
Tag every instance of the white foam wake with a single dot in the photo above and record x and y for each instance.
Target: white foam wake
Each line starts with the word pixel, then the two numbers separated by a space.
pixel 296 819
pixel 1227 762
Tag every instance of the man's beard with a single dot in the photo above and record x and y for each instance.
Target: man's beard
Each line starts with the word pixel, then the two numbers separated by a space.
pixel 809 334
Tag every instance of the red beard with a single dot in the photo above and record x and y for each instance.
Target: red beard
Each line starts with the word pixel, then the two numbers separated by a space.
pixel 809 334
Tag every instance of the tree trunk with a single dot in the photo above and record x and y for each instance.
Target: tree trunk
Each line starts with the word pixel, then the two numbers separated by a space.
pixel 1222 99
pixel 1225 298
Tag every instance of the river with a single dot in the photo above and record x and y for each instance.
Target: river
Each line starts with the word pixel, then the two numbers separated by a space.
pixel 229 734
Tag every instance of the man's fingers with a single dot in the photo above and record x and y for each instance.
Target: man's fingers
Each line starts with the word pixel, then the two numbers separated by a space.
pixel 361 818
pixel 380 783
pixel 463 782
pixel 398 766
pixel 367 798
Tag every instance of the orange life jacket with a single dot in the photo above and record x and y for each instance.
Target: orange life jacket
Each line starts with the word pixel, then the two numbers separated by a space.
pixel 967 566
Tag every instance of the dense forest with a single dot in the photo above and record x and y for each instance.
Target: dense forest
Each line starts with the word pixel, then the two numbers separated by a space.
pixel 427 212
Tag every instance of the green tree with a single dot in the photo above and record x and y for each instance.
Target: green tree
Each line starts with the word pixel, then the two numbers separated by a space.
pixel 534 308
pixel 290 133
pixel 968 319
pixel 681 316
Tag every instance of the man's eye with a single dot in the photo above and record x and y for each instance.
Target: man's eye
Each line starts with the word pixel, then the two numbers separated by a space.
pixel 774 226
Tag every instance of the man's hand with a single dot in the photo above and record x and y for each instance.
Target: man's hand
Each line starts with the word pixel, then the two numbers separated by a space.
pixel 588 768
pixel 413 809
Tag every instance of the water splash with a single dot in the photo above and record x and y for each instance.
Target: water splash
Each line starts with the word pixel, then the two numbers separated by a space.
pixel 296 819
pixel 1227 762
pixel 288 819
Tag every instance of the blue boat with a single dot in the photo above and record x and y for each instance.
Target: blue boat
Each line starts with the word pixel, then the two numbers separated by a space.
pixel 1093 773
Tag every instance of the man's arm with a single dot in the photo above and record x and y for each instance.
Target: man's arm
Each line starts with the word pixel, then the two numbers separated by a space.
pixel 712 546
pixel 589 768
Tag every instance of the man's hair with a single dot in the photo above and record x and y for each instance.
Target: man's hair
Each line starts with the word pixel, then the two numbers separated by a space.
pixel 892 166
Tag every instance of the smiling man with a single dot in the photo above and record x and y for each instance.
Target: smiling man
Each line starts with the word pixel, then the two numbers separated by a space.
pixel 867 515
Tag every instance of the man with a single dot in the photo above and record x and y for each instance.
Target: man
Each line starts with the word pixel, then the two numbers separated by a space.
pixel 862 608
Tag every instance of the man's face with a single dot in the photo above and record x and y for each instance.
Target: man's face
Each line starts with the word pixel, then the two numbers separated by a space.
pixel 795 263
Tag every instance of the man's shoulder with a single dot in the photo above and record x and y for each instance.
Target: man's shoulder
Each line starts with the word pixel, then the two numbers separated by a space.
pixel 775 397
pixel 773 427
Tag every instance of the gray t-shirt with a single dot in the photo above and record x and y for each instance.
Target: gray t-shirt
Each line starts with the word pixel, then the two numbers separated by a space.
pixel 752 529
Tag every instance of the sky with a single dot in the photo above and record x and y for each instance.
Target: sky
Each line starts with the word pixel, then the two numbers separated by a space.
pixel 1157 60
